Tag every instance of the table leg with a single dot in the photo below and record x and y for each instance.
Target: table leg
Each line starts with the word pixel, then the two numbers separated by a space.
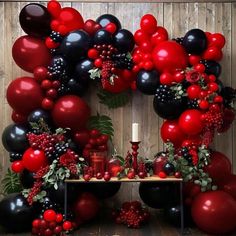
pixel 181 207
pixel 65 200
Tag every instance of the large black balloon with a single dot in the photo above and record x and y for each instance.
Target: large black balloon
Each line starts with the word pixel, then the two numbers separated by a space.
pixel 148 81
pixel 170 109
pixel 105 19
pixel 14 138
pixel 81 73
pixel 212 67
pixel 36 115
pixel 124 41
pixel 27 179
pixel 158 195
pixel 15 213
pixel 195 41
pixel 35 20
pixel 102 37
pixel 75 45
pixel 77 88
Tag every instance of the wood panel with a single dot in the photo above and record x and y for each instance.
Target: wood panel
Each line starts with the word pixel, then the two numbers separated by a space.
pixel 177 18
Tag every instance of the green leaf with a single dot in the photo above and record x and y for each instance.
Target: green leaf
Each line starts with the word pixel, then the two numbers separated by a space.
pixel 113 100
pixel 94 73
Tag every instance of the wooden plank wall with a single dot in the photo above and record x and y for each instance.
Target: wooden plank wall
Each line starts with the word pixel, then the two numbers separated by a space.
pixel 177 18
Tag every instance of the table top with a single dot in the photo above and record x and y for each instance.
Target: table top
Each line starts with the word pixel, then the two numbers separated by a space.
pixel 114 179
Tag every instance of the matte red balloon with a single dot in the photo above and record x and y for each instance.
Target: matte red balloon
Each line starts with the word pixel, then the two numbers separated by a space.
pixel 171 132
pixel 190 122
pixel 229 185
pixel 29 52
pixel 169 56
pixel 219 167
pixel 214 212
pixel 24 95
pixel 33 160
pixel 70 112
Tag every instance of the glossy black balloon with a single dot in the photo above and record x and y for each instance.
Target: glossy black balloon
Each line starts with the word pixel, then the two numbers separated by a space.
pixel 105 19
pixel 169 110
pixel 195 41
pixel 15 213
pixel 158 195
pixel 77 88
pixel 75 45
pixel 14 138
pixel 169 168
pixel 148 81
pixel 82 69
pixel 35 20
pixel 102 37
pixel 39 114
pixel 27 179
pixel 212 67
pixel 124 40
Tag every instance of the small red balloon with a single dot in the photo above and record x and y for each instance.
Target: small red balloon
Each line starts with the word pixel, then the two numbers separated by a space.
pixel 29 52
pixel 82 137
pixel 18 118
pixel 70 112
pixel 33 160
pixel 217 40
pixel 67 225
pixel 214 212
pixel 17 166
pixel 212 53
pixel 160 35
pixel 49 215
pixel 24 95
pixel 140 36
pixel 148 24
pixel 40 73
pixel 54 8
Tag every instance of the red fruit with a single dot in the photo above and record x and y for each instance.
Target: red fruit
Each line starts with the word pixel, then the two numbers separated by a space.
pixel 179 76
pixel 87 177
pixel 193 91
pixel 213 86
pixel 52 93
pixel 67 225
pixel 162 175
pixel 49 215
pixel 194 59
pixel 98 63
pixel 99 176
pixel 47 104
pixel 50 43
pixel 218 99
pixel 131 174
pixel 57 230
pixel 111 27
pixel 94 133
pixel 148 24
pixel 59 218
pixel 40 73
pixel 107 176
pixel 36 223
pixel 46 84
pixel 17 166
pixel 93 53
pixel 166 78
pixel 104 138
pixel 199 67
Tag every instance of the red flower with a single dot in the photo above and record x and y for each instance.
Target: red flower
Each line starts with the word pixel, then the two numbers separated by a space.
pixel 68 158
pixel 192 76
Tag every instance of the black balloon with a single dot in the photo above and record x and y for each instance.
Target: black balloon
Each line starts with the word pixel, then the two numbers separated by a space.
pixel 15 213
pixel 14 138
pixel 212 67
pixel 148 81
pixel 124 41
pixel 39 114
pixel 195 41
pixel 27 179
pixel 81 73
pixel 158 195
pixel 102 37
pixel 105 19
pixel 77 88
pixel 170 109
pixel 75 45
pixel 35 20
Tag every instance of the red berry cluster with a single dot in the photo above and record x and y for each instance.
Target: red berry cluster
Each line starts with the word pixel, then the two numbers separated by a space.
pixel 52 224
pixel 96 141
pixel 34 191
pixel 131 214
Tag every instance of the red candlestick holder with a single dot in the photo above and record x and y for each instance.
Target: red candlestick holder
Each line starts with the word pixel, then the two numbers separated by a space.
pixel 135 147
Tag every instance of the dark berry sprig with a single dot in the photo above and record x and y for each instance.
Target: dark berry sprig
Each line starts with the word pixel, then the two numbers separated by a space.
pixel 122 61
pixel 56 37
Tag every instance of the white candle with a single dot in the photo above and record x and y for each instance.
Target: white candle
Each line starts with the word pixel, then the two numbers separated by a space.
pixel 135 132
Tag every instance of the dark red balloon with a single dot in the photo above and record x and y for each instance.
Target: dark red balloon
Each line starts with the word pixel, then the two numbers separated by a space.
pixel 29 52
pixel 169 56
pixel 229 185
pixel 214 212
pixel 219 168
pixel 71 112
pixel 24 95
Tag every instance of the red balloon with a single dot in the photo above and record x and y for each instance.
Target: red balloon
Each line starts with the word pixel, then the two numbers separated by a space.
pixel 219 167
pixel 214 212
pixel 160 35
pixel 70 112
pixel 29 52
pixel 18 118
pixel 82 137
pixel 169 56
pixel 33 160
pixel 86 206
pixel 171 132
pixel 24 95
pixel 229 185
pixel 140 36
pixel 17 166
pixel 190 122
pixel 54 8
pixel 212 53
pixel 148 24
pixel 50 215
pixel 217 40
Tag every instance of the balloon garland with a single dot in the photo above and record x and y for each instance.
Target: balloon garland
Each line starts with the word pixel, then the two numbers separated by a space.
pixel 54 134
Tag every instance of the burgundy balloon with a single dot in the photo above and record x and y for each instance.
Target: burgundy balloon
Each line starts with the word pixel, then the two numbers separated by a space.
pixel 24 95
pixel 229 185
pixel 29 52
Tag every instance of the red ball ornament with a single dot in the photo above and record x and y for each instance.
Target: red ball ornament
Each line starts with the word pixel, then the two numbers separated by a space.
pixel 67 225
pixel 148 24
pixel 49 215
pixel 214 212
pixel 18 118
pixel 17 166
pixel 33 160
pixel 24 95
pixel 86 206
pixel 190 122
pixel 169 56
pixel 171 132
pixel 29 52
pixel 70 112
pixel 40 73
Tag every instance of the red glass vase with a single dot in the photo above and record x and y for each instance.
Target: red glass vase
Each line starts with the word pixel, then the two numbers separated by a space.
pixel 98 161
